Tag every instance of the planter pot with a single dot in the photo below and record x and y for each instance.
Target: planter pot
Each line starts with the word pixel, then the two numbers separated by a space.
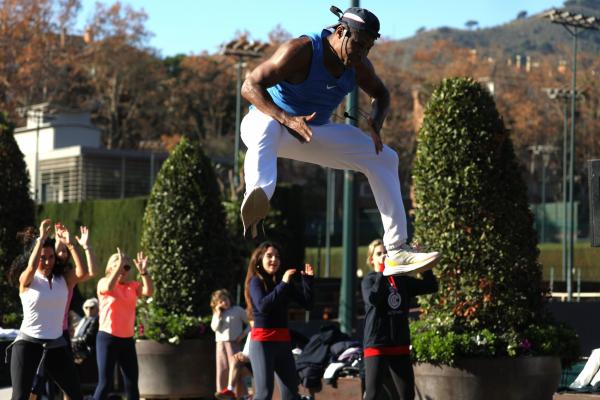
pixel 526 378
pixel 176 371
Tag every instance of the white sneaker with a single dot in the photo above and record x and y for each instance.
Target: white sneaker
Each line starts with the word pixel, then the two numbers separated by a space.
pixel 254 208
pixel 408 260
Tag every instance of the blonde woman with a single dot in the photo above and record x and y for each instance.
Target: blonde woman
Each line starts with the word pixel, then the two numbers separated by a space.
pixel 117 295
pixel 376 255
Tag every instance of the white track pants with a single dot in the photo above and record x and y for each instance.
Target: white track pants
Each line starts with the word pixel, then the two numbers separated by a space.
pixel 590 375
pixel 337 146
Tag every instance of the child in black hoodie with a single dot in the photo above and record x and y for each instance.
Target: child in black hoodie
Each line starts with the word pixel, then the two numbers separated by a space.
pixel 386 335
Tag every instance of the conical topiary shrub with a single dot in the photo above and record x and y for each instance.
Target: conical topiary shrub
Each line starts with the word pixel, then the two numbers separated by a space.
pixel 16 210
pixel 472 206
pixel 184 234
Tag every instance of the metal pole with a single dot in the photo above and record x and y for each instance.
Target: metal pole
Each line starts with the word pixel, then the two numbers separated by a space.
pixel 123 172
pixel 349 255
pixel 238 112
pixel 329 219
pixel 565 250
pixel 571 173
pixel 544 161
pixel 151 171
pixel 36 187
pixel 349 234
pixel 578 284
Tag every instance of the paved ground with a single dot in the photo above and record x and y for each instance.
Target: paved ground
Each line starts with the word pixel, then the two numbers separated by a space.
pixel 347 386
pixel 575 396
pixel 5 393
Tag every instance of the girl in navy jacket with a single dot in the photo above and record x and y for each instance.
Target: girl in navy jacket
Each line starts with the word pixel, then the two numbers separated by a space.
pixel 267 298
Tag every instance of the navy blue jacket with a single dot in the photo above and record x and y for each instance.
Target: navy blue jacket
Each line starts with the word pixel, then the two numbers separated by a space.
pixel 270 309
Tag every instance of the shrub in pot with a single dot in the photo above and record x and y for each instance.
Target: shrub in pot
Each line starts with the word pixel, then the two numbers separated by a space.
pixel 472 207
pixel 185 238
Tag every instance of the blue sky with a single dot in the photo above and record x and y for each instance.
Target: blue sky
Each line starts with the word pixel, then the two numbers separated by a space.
pixel 193 26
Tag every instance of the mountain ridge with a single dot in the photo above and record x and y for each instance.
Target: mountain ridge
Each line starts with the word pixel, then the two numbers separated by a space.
pixel 532 35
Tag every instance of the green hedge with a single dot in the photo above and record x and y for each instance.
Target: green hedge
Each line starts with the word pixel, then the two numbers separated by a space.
pixel 112 223
pixel 185 235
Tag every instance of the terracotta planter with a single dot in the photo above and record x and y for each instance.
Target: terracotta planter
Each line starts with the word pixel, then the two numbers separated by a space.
pixel 176 371
pixel 526 378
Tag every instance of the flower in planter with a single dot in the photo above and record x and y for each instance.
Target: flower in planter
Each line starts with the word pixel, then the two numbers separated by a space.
pixel 525 345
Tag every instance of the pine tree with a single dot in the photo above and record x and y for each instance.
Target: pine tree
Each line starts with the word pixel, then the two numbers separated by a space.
pixel 472 207
pixel 184 233
pixel 16 209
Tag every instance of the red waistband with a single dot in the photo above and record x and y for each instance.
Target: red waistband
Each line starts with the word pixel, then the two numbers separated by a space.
pixel 387 351
pixel 271 334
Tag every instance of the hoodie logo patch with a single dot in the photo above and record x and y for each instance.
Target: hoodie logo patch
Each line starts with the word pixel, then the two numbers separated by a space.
pixel 394 300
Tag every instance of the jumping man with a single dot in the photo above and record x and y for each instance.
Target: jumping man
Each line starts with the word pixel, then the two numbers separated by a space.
pixel 293 96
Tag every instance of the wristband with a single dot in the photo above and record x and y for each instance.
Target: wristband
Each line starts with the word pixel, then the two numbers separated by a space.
pixel 144 273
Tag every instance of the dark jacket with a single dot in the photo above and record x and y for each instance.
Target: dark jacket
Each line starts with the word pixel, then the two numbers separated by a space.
pixel 317 354
pixel 83 343
pixel 386 312
pixel 270 308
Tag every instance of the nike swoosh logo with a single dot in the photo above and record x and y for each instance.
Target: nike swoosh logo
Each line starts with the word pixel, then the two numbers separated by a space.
pixel 330 87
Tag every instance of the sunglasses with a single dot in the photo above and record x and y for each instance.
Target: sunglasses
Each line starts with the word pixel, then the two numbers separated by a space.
pixel 126 267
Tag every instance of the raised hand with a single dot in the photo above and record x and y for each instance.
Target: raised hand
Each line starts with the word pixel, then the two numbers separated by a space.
pixel 308 270
pixel 120 259
pixel 288 274
pixel 141 263
pixel 62 233
pixel 45 228
pixel 85 235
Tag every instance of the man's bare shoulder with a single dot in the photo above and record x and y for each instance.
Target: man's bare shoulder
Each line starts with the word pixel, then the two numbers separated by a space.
pixel 296 49
pixel 292 60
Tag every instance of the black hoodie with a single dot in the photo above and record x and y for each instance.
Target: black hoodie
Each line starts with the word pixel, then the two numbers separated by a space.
pixel 386 308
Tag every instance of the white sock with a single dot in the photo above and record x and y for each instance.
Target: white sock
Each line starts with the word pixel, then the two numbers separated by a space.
pixel 229 387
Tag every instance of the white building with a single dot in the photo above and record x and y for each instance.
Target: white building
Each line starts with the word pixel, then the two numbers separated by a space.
pixel 67 163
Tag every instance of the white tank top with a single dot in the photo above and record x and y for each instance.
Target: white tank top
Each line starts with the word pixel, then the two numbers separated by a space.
pixel 44 308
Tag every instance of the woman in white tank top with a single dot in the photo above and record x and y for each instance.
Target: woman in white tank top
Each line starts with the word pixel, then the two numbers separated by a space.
pixel 43 288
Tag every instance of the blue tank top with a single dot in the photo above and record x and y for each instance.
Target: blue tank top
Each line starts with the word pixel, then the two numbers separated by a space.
pixel 321 92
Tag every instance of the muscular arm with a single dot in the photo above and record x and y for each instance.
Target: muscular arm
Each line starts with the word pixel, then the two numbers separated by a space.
pixel 368 81
pixel 290 63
